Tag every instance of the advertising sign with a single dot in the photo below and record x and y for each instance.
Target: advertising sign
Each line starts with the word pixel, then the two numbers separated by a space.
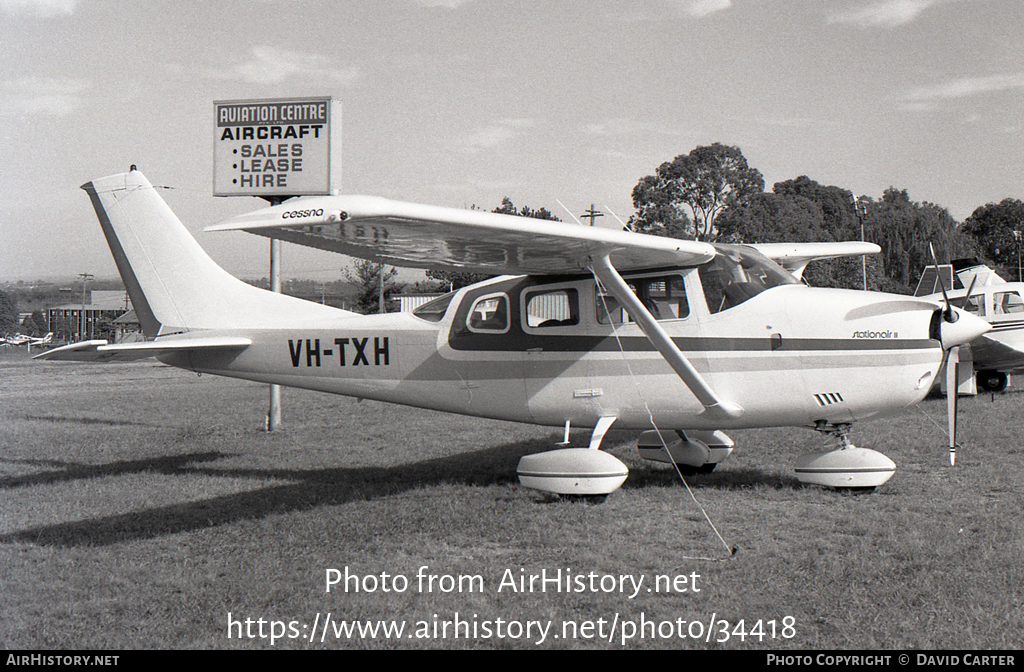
pixel 277 147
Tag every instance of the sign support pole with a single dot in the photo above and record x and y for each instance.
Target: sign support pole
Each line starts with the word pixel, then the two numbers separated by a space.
pixel 274 412
pixel 276 149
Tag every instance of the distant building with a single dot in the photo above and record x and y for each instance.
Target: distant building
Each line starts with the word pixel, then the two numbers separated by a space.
pixel 74 322
pixel 410 302
pixel 127 328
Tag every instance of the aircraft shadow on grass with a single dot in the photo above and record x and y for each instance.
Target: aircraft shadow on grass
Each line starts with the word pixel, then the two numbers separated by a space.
pixel 731 479
pixel 92 421
pixel 305 490
pixel 73 471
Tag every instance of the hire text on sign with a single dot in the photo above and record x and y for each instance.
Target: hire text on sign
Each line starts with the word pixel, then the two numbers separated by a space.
pixel 282 147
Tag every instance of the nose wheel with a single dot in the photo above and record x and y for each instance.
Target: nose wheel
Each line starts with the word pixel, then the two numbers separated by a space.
pixel 992 381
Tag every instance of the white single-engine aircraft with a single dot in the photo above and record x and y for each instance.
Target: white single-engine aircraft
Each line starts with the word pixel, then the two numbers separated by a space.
pixel 981 291
pixel 25 339
pixel 597 327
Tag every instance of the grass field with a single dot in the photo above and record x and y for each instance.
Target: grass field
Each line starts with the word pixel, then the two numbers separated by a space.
pixel 141 505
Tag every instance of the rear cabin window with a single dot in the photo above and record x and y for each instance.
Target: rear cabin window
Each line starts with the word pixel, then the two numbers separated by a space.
pixel 553 308
pixel 663 296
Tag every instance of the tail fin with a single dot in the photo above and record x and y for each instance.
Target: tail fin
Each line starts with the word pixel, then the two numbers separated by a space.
pixel 173 284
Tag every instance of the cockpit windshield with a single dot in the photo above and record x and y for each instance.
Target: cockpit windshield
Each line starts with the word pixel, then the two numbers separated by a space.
pixel 433 311
pixel 739 273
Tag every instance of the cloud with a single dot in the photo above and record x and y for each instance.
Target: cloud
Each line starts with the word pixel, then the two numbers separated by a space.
pixel 696 8
pixel 966 87
pixel 449 4
pixel 270 65
pixel 885 13
pixel 625 126
pixel 43 9
pixel 493 136
pixel 41 96
pixel 701 8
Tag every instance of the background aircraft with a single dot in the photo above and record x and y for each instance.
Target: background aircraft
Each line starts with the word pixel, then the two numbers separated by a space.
pixel 597 327
pixel 1000 352
pixel 23 339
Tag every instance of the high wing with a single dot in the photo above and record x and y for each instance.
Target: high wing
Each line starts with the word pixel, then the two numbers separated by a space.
pixel 423 236
pixel 101 351
pixel 432 237
pixel 794 257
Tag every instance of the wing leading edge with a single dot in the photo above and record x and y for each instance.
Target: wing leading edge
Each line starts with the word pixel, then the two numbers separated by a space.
pixel 433 237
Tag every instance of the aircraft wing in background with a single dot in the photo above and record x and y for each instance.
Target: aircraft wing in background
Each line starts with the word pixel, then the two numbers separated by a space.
pixel 794 257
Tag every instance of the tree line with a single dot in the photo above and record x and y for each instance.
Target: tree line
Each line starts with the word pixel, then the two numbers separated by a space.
pixel 712 194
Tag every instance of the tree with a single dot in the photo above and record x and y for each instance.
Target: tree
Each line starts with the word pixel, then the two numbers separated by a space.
pixel 366 276
pixel 802 210
pixel 36 323
pixel 452 280
pixel 904 229
pixel 8 313
pixel 993 228
pixel 685 196
pixel 838 206
pixel 507 207
pixel 771 218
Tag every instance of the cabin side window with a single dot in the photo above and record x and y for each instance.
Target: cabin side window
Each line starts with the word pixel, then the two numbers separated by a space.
pixel 663 296
pixel 552 308
pixel 489 315
pixel 1007 303
pixel 976 305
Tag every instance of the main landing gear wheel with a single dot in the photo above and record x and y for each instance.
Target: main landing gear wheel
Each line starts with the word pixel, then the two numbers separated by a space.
pixel 847 468
pixel 692 452
pixel 992 381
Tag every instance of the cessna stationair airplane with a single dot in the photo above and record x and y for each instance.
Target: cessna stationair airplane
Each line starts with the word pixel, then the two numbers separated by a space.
pixel 593 328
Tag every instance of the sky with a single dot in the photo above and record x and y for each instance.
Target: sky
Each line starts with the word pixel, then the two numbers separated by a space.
pixel 464 102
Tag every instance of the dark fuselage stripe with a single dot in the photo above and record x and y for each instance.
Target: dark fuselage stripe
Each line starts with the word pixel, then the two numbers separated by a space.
pixel 582 343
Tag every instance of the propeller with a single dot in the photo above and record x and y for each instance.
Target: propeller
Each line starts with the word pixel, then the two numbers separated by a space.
pixel 948 315
pixel 952 360
pixel 952 380
pixel 967 296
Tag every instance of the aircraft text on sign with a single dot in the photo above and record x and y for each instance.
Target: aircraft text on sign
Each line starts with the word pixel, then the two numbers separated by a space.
pixel 276 147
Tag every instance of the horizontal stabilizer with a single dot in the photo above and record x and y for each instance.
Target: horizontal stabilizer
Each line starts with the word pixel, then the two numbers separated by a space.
pixel 101 351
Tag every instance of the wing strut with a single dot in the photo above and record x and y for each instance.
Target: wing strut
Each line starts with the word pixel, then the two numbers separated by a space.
pixel 613 282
